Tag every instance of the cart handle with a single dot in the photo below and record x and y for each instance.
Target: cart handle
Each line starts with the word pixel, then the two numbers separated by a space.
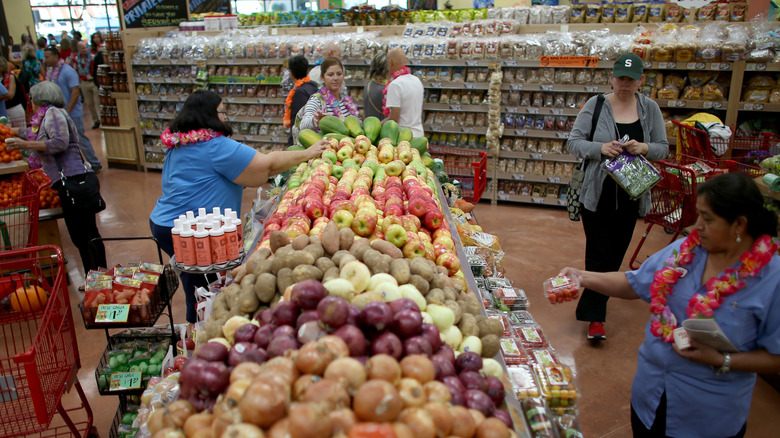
pixel 93 243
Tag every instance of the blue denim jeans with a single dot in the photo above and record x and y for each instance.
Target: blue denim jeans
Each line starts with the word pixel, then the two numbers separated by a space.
pixel 84 144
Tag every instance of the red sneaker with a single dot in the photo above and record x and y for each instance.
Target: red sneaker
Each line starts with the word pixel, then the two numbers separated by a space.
pixel 596 331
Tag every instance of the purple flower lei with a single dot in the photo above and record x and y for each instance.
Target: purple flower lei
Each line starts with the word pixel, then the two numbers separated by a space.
pixel 330 102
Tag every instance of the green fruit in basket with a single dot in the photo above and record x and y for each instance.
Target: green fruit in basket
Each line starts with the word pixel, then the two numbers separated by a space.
pixel 331 156
pixel 371 164
pixel 353 125
pixel 330 124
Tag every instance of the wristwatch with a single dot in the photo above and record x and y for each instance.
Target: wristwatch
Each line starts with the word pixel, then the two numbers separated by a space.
pixel 726 367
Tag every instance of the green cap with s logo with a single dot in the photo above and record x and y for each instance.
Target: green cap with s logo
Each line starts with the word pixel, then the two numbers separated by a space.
pixel 628 65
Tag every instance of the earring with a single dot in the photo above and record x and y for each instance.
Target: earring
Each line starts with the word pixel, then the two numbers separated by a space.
pixel 739 239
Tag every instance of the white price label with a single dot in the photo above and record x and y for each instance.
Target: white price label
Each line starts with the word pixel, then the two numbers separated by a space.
pixel 561 134
pixel 717 105
pixel 230 99
pixel 510 63
pixel 725 66
pixel 757 67
pixel 562 202
pixel 148 132
pixel 521 132
pixel 512 109
pixel 648 64
pixel 275 139
pixel 547 87
pixel 230 61
pixel 518 176
pixel 435 128
pixel 263 100
pixel 467 130
pixel 554 179
pixel 503 197
pixel 557 111
pixel 169 80
pixel 532 110
pixel 515 87
pixel 230 118
pixel 681 104
pixel 472 63
pixel 163 97
pixel 671 65
pixel 175 61
pixel 671 103
pixel 537 156
pixel 692 66
pixel 470 85
pixel 162 115
pixel 435 84
pixel 663 65
pixel 537 200
pixel 262 61
pixel 592 88
pixel 249 138
pixel 455 107
pixel 707 105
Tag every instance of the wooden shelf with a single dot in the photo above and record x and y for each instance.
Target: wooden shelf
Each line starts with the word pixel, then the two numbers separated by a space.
pixel 121 95
pixel 693 65
pixel 454 107
pixel 175 81
pixel 758 106
pixel 772 66
pixel 117 128
pixel 692 104
pixel 456 129
pixel 569 88
pixel 567 158
pixel 13 167
pixel 536 133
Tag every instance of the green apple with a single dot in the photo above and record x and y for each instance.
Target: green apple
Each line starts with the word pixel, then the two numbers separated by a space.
pixel 330 155
pixel 337 172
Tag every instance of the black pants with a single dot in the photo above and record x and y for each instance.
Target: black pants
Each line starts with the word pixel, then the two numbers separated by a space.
pixel 658 429
pixel 189 282
pixel 82 227
pixel 608 233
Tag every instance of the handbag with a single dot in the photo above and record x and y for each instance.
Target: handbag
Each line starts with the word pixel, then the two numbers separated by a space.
pixel 80 191
pixel 573 203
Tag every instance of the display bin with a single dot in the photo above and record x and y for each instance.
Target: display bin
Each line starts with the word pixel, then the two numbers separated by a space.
pixel 140 316
pixel 116 425
pixel 102 380
pixel 743 142
pixel 19 215
pixel 467 166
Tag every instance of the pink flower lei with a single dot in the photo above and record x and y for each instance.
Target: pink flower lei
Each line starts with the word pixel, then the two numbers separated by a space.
pixel 53 73
pixel 175 139
pixel 400 72
pixel 332 105
pixel 663 322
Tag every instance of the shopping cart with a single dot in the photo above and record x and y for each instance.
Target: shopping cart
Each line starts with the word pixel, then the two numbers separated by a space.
pixel 19 214
pixel 695 142
pixel 747 145
pixel 467 166
pixel 40 358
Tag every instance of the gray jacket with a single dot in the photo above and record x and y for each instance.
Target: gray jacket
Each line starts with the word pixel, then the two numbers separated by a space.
pixel 606 130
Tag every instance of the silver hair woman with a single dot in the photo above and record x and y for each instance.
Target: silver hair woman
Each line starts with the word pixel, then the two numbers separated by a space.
pixel 54 138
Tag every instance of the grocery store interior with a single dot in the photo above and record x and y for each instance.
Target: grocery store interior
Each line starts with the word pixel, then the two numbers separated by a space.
pixel 523 206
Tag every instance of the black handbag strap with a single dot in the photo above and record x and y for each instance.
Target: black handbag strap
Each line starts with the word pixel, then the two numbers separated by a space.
pixel 596 115
pixel 57 156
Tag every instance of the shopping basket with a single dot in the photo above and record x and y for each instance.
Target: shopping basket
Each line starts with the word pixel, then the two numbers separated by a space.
pixel 746 144
pixel 467 166
pixel 40 357
pixel 19 215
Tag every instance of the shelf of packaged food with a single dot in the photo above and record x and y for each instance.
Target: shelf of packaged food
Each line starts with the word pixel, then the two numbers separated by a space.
pixel 260 138
pixel 755 66
pixel 694 104
pixel 539 110
pixel 454 107
pixel 688 65
pixel 256 100
pixel 570 88
pixel 566 158
pixel 184 81
pixel 557 202
pixel 151 132
pixel 162 97
pixel 456 129
pixel 246 61
pixel 165 61
pixel 241 81
pixel 155 149
pixel 536 133
pixel 533 178
pixel 164 116
pixel 262 120
pixel 759 106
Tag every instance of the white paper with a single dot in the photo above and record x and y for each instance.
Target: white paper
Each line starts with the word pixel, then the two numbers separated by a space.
pixel 707 331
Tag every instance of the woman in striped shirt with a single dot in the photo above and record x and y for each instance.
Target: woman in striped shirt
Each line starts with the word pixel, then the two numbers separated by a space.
pixel 331 99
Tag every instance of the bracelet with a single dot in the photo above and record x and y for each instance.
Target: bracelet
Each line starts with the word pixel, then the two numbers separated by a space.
pixel 726 367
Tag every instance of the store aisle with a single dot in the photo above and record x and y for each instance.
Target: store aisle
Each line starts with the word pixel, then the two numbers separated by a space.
pixel 538 242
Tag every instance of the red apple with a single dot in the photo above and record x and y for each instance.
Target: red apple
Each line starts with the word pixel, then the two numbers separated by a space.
pixel 393 210
pixel 364 223
pixel 430 253
pixel 443 240
pixel 413 248
pixel 413 220
pixel 433 219
pixel 450 261
pixel 314 208
pixel 417 207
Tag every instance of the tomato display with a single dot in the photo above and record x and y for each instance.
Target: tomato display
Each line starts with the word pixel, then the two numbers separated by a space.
pixel 7 156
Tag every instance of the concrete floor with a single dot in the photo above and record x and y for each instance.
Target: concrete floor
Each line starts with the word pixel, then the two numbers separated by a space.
pixel 538 242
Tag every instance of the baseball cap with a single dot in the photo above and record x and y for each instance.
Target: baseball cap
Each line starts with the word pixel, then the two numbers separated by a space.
pixel 628 65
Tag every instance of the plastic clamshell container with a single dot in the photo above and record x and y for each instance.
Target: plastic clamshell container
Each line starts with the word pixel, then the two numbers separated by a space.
pixel 520 317
pixel 543 356
pixel 477 264
pixel 500 316
pixel 523 381
pixel 498 282
pixel 514 298
pixel 513 352
pixel 560 289
pixel 530 336
pixel 539 418
pixel 556 384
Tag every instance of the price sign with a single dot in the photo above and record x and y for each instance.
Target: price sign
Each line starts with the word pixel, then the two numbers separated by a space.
pixel 554 179
pixel 692 66
pixel 175 61
pixel 557 111
pixel 163 97
pixel 592 88
pixel 547 87
pixel 125 381
pixel 435 127
pixel 510 63
pixel 756 67
pixel 749 106
pixel 706 105
pixel 532 110
pixel 681 104
pixel 162 115
pixel 230 61
pixel 275 139
pixel 560 134
pixel 169 80
pixel 262 61
pixel 568 61
pixel 672 65
pixel 268 120
pixel 148 132
pixel 249 138
pixel 512 109
pixel 470 85
pixel 455 107
pixel 230 99
pixel 648 64
pixel 671 103
pixel 562 202
pixel 537 156
pixel 230 118
pixel 472 63
pixel 663 65
pixel 518 177
pixel 435 84
pixel 503 197
pixel 717 104
pixel 537 200
pixel 515 87
pixel 467 130
pixel 110 313
pixel 521 132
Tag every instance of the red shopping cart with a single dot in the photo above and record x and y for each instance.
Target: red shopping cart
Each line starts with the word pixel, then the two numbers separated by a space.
pixel 695 142
pixel 19 214
pixel 467 166
pixel 40 357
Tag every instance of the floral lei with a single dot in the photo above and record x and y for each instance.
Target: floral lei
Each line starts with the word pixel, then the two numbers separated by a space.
pixel 400 72
pixel 175 139
pixel 53 73
pixel 663 321
pixel 330 102
pixel 32 135
pixel 287 120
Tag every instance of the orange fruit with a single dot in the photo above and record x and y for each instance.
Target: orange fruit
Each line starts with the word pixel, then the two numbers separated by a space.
pixel 29 299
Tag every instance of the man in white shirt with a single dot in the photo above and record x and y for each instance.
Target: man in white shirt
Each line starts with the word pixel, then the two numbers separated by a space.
pixel 404 94
pixel 331 49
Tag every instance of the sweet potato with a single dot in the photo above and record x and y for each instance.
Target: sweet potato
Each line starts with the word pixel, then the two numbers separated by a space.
pixel 359 246
pixel 330 238
pixel 388 248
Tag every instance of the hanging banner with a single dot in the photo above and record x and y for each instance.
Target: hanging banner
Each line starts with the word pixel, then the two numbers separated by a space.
pixel 205 6
pixel 153 13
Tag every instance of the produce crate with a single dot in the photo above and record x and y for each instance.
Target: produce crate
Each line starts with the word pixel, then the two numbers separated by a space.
pixel 140 316
pixel 103 380
pixel 467 166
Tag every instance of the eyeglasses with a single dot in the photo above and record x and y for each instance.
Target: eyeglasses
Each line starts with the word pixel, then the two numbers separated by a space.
pixel 222 112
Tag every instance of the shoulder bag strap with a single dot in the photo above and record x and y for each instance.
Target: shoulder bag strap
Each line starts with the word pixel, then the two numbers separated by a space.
pixel 57 156
pixel 596 115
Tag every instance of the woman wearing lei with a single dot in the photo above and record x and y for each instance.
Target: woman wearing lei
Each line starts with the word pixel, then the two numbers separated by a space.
pixel 205 168
pixel 303 89
pixel 728 269
pixel 332 99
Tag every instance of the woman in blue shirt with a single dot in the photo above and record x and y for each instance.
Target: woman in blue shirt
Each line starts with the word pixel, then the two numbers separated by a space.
pixel 205 168
pixel 727 269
